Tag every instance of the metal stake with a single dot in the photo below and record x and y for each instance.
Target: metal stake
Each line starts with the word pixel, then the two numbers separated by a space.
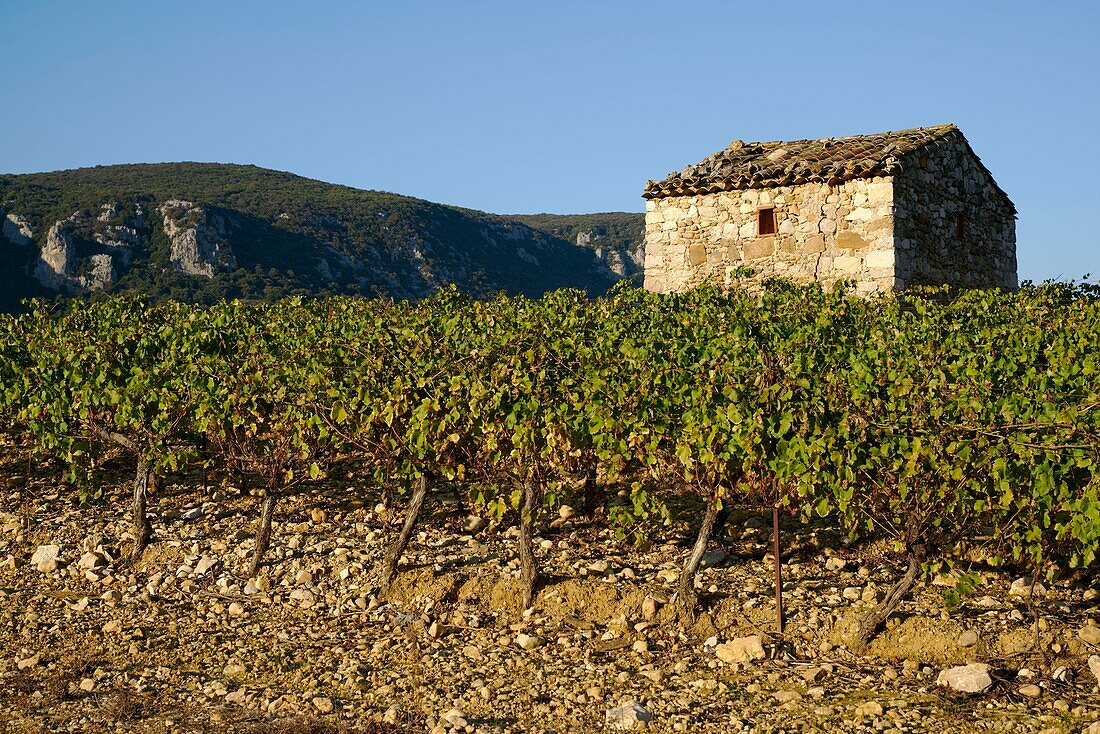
pixel 779 621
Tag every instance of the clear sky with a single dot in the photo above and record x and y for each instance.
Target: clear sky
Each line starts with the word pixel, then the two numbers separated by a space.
pixel 520 106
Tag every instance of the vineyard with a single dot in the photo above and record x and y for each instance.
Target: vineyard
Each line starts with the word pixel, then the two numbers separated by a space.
pixel 924 422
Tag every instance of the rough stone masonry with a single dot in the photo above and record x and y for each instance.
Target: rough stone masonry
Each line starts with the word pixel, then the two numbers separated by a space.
pixel 915 207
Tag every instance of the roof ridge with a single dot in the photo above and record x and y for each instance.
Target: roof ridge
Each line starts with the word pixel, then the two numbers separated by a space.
pixel 942 130
pixel 742 165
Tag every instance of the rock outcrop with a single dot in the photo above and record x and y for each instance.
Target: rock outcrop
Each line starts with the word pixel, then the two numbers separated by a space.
pixel 198 239
pixel 57 259
pixel 623 263
pixel 16 229
pixel 60 266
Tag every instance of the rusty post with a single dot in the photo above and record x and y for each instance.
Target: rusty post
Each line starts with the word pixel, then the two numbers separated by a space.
pixel 779 621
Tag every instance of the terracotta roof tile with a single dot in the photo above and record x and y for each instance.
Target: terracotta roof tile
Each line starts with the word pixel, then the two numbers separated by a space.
pixel 786 163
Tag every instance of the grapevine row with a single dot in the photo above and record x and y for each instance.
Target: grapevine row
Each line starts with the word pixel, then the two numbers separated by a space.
pixel 920 418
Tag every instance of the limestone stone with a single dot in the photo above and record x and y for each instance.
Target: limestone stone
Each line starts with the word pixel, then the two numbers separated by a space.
pixel 850 241
pixel 45 558
pixel 741 650
pixel 973 678
pixel 627 715
pixel 697 254
pixel 758 248
pixel 1089 634
pixel 879 259
pixel 847 264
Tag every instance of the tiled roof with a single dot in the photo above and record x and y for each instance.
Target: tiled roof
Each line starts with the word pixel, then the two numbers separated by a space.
pixel 789 163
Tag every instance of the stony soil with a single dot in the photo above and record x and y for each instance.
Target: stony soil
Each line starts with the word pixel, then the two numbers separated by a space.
pixel 182 643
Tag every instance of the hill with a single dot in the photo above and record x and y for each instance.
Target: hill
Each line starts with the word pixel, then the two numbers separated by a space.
pixel 201 232
pixel 617 238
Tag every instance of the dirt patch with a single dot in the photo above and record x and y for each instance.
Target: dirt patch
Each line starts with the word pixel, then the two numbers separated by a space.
pixel 419 585
pixel 158 555
pixel 922 639
pixel 589 600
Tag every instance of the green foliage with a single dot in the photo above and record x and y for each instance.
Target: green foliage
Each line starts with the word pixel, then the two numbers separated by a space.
pixel 922 418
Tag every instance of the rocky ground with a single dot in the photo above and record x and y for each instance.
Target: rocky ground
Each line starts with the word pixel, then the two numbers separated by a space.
pixel 183 643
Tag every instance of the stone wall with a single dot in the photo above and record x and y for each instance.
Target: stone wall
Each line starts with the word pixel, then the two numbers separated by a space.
pixel 937 184
pixel 825 233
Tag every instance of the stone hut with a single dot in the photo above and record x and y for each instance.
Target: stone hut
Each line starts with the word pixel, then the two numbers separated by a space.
pixel 914 207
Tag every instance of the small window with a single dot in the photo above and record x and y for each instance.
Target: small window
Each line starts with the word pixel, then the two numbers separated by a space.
pixel 765 221
pixel 960 226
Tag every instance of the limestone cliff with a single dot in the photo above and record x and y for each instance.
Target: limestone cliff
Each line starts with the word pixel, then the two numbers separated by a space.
pixel 199 244
pixel 208 232
pixel 16 230
pixel 622 262
pixel 60 266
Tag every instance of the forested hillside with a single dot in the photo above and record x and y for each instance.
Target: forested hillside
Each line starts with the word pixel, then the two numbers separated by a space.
pixel 202 232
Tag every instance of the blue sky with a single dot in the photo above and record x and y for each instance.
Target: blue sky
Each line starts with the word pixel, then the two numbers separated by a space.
pixel 559 107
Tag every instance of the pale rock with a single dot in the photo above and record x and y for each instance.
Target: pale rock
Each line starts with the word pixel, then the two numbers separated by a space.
pixel 195 513
pixel 835 564
pixel 787 696
pixel 1089 634
pixel 814 674
pixel 528 642
pixel 741 650
pixel 968 638
pixel 1022 587
pixel 46 558
pixel 868 708
pixel 235 609
pixel 323 704
pixel 1030 690
pixel 668 575
pixel 456 717
pixel 627 715
pixel 972 678
pixel 1094 667
pixel 91 560
pixel 304 596
pixel 30 662
pixel 205 565
pixel 598 568
pixel 565 512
